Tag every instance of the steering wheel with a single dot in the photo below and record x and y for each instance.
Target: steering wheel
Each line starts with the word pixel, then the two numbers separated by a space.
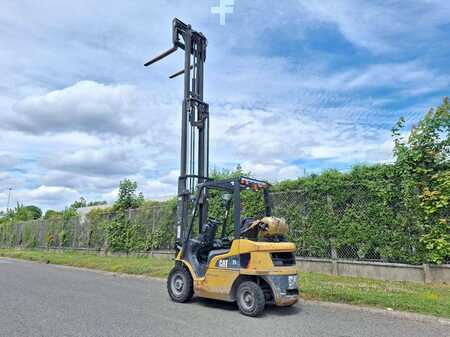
pixel 226 242
pixel 214 221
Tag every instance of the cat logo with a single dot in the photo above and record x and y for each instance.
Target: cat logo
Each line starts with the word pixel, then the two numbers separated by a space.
pixel 222 263
pixel 231 262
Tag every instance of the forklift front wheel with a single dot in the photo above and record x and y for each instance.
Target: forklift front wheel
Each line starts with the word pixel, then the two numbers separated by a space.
pixel 250 299
pixel 179 284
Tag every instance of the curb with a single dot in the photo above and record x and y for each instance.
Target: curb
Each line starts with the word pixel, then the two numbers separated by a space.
pixel 386 312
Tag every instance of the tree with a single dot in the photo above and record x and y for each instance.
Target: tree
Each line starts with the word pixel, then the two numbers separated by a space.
pixel 79 203
pixel 51 214
pixel 128 198
pixel 121 231
pixel 34 212
pixel 83 203
pixel 96 203
pixel 423 162
pixel 25 213
pixel 217 174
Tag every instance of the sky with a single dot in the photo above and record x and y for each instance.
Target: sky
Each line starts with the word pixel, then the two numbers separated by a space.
pixel 294 87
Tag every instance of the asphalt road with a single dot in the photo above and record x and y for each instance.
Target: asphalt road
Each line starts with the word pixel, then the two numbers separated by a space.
pixel 53 301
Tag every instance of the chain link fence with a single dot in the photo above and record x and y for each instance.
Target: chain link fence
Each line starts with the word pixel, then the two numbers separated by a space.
pixel 352 222
pixel 148 229
pixel 347 223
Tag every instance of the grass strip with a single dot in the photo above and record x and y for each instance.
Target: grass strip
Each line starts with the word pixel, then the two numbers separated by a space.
pixel 121 264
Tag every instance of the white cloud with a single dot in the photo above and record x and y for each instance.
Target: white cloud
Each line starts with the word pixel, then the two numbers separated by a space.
pixel 7 161
pixel 43 196
pixel 99 161
pixel 171 177
pixel 322 85
pixel 274 170
pixel 411 77
pixel 50 193
pixel 86 106
pixel 157 189
pixel 380 27
pixel 7 180
pixel 262 137
pixel 111 196
pixel 79 181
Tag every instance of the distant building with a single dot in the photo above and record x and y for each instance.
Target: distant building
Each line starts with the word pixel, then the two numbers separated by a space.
pixel 84 211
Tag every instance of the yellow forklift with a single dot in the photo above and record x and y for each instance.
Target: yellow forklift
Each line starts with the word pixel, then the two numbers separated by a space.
pixel 222 252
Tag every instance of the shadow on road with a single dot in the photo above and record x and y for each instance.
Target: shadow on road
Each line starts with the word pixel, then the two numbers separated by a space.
pixel 271 310
pixel 215 304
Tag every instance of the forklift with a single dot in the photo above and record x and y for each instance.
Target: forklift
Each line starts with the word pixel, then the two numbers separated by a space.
pixel 222 251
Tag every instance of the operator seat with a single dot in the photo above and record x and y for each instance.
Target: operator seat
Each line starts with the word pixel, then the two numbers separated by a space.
pixel 213 247
pixel 206 240
pixel 209 231
pixel 205 248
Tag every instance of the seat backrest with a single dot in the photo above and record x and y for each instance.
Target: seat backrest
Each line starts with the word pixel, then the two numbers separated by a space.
pixel 209 232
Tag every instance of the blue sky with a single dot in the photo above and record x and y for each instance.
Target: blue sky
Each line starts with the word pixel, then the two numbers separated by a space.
pixel 292 85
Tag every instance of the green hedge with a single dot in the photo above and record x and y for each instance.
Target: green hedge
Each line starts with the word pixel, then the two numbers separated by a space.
pixel 358 215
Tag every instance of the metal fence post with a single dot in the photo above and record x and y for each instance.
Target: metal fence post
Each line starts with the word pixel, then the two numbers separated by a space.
pixel 152 244
pixel 427 277
pixel 74 233
pixel 334 258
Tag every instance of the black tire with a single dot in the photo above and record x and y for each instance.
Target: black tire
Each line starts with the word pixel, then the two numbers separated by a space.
pixel 180 285
pixel 250 299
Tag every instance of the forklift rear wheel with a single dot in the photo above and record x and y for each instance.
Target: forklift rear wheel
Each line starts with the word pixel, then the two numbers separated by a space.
pixel 250 299
pixel 179 285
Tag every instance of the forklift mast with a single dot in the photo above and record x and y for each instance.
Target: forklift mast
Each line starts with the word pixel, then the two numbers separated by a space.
pixel 194 163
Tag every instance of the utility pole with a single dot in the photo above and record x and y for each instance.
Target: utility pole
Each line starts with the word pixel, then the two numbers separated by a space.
pixel 9 199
